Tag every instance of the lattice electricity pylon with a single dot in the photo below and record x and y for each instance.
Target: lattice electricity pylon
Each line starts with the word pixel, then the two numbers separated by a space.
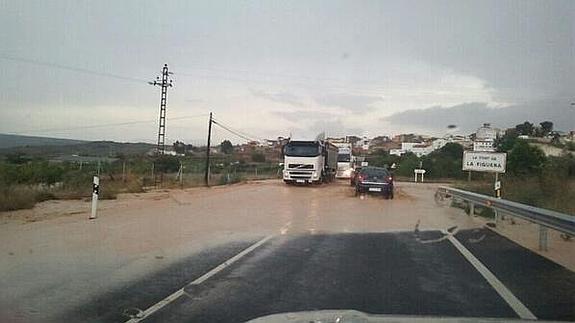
pixel 164 82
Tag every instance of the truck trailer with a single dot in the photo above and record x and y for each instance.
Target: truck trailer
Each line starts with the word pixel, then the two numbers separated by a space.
pixel 309 162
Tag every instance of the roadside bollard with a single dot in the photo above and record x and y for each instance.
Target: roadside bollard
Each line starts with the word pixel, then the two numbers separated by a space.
pixel 95 193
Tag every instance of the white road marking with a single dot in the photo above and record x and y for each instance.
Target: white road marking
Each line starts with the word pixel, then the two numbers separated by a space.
pixel 156 307
pixel 285 228
pixel 522 311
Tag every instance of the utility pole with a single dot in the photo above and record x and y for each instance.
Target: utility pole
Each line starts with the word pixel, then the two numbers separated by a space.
pixel 164 82
pixel 207 172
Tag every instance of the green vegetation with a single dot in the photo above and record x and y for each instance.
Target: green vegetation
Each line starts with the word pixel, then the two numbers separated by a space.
pixel 444 163
pixel 226 147
pixel 26 180
pixel 531 178
pixel 525 160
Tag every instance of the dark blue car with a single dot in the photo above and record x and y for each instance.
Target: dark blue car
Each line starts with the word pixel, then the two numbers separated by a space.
pixel 375 180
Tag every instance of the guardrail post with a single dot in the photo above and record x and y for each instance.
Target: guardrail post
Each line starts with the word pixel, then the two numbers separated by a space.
pixel 543 237
pixel 471 209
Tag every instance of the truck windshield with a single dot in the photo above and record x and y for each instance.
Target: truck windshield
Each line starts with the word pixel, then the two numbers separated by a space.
pixel 343 157
pixel 302 149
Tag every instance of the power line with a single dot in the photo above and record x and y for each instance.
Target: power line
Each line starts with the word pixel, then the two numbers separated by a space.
pixel 71 68
pixel 233 132
pixel 236 132
pixel 241 132
pixel 103 125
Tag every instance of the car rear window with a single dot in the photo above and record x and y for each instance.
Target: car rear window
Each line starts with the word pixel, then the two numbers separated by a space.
pixel 375 171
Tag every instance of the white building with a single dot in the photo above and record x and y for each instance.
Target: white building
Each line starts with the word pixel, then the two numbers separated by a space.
pixel 485 138
pixel 486 133
pixel 487 145
pixel 418 148
pixel 363 143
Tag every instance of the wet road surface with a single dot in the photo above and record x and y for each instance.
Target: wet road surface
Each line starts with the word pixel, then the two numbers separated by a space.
pixel 381 273
pixel 167 256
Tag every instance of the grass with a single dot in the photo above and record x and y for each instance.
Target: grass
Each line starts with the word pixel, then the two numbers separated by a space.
pixel 22 197
pixel 552 193
pixel 17 197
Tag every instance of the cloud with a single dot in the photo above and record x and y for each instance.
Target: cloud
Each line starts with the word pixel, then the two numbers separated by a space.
pixel 469 116
pixel 331 128
pixel 280 97
pixel 300 115
pixel 334 127
pixel 353 103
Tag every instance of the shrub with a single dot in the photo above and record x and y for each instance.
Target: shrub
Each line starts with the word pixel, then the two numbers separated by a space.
pixel 525 159
pixel 258 157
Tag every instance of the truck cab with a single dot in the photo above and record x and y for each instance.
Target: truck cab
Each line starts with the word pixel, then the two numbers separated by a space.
pixel 308 162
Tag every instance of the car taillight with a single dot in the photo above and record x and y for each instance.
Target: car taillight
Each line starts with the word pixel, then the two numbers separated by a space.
pixel 390 179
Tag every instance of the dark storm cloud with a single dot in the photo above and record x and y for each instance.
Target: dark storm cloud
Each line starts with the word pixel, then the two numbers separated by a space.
pixel 522 49
pixel 469 116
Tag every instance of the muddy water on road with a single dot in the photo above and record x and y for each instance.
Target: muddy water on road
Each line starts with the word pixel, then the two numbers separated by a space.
pixel 60 262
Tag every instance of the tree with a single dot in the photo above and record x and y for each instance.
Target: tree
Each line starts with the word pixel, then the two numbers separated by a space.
pixel 445 162
pixel 167 164
pixel 409 161
pixel 180 147
pixel 525 128
pixel 506 142
pixel 258 157
pixel 525 159
pixel 546 127
pixel 226 147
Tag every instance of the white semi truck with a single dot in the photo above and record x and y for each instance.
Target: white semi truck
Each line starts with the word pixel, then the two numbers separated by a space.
pixel 309 162
pixel 345 160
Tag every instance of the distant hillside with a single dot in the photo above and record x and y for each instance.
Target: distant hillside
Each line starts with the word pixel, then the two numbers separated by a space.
pixel 88 148
pixel 8 141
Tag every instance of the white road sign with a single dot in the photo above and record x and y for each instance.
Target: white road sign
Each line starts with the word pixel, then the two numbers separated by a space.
pixel 484 161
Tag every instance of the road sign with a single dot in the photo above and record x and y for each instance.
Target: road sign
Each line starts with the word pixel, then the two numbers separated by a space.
pixel 480 161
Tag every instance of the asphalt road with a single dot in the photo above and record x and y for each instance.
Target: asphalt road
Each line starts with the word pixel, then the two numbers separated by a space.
pixel 180 256
pixel 398 273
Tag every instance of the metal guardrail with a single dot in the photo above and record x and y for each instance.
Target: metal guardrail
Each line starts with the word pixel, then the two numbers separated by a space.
pixel 561 222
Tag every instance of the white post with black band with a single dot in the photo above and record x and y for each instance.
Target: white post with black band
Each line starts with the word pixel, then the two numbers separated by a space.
pixel 95 193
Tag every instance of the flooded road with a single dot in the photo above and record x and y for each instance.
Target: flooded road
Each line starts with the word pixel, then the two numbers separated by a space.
pixel 320 248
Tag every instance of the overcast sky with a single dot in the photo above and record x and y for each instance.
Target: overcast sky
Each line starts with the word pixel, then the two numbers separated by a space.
pixel 271 68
